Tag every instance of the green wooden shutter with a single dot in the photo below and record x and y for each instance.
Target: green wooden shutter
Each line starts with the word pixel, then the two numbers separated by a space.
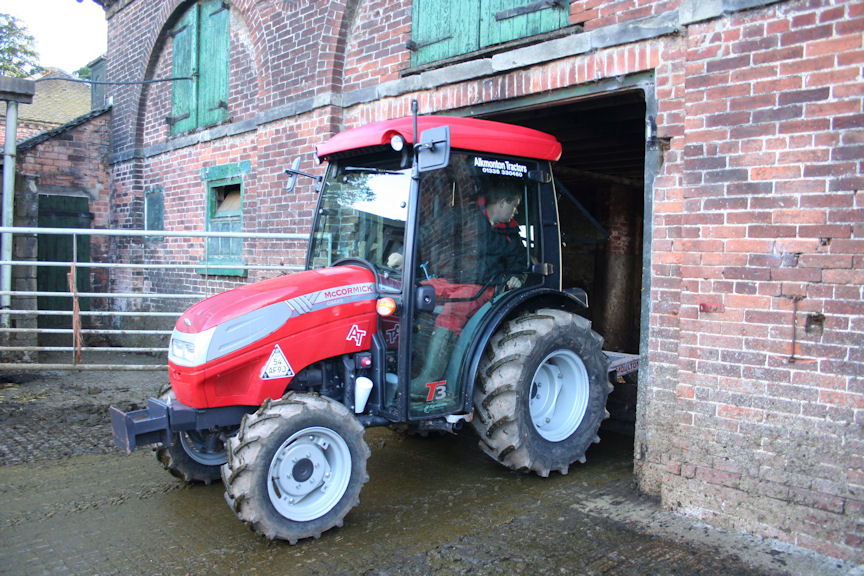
pixel 443 28
pixel 505 20
pixel 215 47
pixel 184 63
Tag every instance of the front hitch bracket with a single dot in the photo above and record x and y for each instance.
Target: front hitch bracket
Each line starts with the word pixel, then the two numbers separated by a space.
pixel 158 423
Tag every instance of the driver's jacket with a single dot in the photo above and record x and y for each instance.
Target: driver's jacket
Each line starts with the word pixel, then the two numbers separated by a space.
pixel 499 250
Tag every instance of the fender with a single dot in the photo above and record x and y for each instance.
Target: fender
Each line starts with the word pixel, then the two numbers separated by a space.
pixel 245 345
pixel 510 304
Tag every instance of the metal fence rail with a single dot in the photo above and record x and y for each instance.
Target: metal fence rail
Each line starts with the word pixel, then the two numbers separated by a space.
pixel 18 356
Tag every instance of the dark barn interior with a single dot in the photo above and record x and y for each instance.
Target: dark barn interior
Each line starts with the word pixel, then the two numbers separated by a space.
pixel 601 185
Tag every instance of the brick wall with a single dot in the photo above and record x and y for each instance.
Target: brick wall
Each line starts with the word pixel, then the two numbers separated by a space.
pixel 376 46
pixel 595 14
pixel 75 158
pixel 757 279
pixel 55 103
pixel 25 128
pixel 751 403
pixel 281 52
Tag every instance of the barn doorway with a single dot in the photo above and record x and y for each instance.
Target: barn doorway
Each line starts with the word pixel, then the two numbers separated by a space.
pixel 602 208
pixel 56 211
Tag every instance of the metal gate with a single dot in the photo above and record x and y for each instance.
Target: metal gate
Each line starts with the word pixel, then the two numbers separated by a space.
pixel 63 325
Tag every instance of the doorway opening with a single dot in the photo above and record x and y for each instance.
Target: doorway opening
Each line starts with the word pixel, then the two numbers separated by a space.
pixel 602 210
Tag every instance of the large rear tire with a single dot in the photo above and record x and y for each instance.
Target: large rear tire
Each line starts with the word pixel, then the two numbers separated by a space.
pixel 541 392
pixel 296 467
pixel 194 456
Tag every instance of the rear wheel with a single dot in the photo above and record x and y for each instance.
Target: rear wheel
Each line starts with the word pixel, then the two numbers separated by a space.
pixel 296 467
pixel 541 392
pixel 194 456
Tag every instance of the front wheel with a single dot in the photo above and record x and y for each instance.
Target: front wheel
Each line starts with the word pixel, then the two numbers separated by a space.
pixel 541 392
pixel 193 456
pixel 296 467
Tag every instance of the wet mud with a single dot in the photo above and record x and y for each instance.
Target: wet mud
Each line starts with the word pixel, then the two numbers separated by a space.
pixel 73 504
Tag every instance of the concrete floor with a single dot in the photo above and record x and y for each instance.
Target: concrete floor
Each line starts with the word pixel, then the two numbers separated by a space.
pixel 73 504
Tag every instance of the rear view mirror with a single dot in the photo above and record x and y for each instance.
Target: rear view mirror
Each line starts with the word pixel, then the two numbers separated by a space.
pixel 295 171
pixel 433 152
pixel 292 179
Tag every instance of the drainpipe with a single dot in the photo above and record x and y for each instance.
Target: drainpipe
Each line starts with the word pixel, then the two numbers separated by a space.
pixel 12 91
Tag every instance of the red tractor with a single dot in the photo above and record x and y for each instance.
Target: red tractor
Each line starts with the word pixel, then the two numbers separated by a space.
pixel 431 297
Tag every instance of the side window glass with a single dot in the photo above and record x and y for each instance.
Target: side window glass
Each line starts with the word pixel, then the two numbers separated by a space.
pixel 477 237
pixel 479 218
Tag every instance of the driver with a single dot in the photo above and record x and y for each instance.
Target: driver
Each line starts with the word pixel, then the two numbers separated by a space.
pixel 500 243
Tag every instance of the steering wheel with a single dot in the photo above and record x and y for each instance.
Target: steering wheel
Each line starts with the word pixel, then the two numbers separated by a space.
pixel 361 262
pixel 389 271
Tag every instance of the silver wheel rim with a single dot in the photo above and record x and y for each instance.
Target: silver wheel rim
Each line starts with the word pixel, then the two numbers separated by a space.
pixel 559 395
pixel 309 474
pixel 203 449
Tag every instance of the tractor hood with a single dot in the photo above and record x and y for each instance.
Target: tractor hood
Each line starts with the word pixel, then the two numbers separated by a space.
pixel 234 319
pixel 299 292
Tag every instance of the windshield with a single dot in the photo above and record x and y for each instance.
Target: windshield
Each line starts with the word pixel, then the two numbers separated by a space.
pixel 362 214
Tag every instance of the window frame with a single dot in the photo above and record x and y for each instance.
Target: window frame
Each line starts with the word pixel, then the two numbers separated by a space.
pixel 218 179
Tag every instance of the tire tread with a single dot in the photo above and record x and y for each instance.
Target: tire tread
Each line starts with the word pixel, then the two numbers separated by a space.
pixel 497 396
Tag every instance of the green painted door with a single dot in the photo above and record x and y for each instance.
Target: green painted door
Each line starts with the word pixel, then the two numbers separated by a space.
pixel 61 212
pixel 505 20
pixel 213 69
pixel 443 28
pixel 184 93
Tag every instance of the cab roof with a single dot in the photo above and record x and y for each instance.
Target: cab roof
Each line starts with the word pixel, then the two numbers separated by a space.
pixel 465 133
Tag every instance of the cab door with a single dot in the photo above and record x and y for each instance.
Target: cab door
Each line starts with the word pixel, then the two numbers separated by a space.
pixel 453 264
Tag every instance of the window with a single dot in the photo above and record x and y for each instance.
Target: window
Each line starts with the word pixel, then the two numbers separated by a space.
pixel 224 213
pixel 442 28
pixel 154 210
pixel 200 50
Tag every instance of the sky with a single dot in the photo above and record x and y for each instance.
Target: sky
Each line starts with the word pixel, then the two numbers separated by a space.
pixel 68 34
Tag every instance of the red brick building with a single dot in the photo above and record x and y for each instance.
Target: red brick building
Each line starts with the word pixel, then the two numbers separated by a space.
pixel 719 145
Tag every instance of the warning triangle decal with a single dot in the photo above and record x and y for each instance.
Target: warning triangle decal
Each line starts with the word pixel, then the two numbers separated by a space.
pixel 277 366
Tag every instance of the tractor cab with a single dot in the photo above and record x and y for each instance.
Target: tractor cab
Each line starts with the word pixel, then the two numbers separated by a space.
pixel 450 240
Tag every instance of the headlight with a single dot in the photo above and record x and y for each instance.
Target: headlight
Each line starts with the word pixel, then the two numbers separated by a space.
pixel 195 349
pixel 397 142
pixel 189 349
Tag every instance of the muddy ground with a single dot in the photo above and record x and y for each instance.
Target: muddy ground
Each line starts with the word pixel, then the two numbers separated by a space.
pixel 73 504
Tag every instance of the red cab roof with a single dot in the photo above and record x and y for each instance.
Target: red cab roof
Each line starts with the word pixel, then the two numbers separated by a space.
pixel 465 133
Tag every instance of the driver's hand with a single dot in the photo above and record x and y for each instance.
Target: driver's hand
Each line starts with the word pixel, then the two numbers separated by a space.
pixel 514 283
